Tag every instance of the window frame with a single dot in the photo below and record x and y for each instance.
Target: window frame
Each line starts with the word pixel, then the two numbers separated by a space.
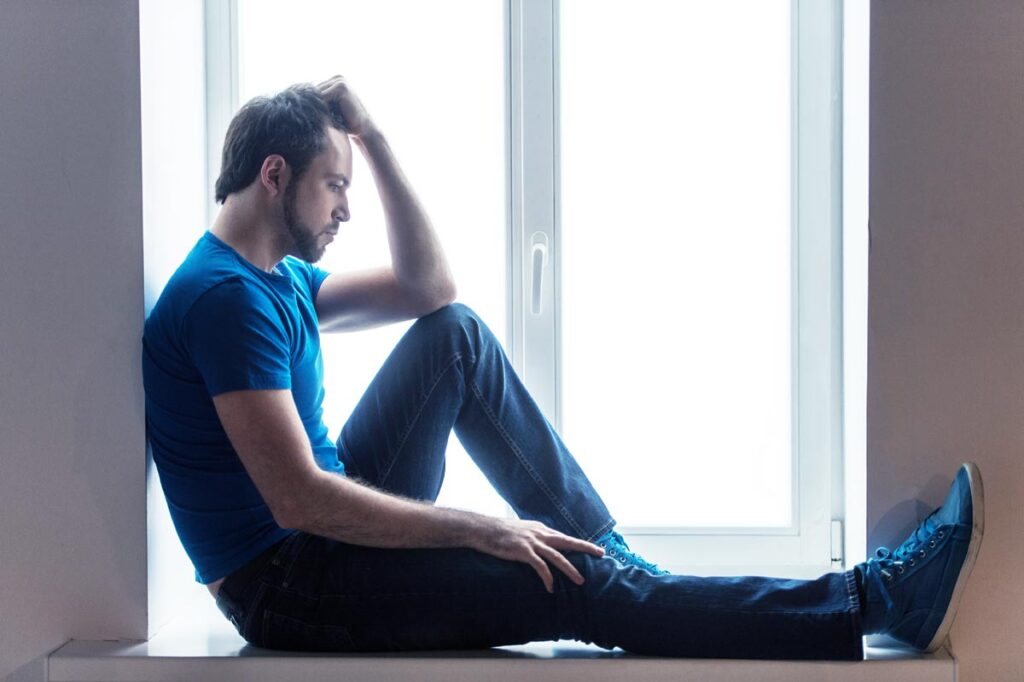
pixel 813 542
pixel 808 547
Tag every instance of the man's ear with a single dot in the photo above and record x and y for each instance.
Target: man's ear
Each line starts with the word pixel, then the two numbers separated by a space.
pixel 274 174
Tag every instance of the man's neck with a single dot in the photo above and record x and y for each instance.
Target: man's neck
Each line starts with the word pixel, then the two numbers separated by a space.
pixel 248 232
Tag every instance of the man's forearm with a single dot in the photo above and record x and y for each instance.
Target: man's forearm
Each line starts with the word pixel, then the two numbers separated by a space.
pixel 416 254
pixel 344 510
pixel 336 507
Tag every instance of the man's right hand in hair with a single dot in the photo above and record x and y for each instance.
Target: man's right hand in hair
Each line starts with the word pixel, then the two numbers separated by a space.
pixel 337 92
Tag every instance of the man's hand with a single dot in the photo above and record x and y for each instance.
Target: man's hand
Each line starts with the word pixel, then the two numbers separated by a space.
pixel 532 543
pixel 337 91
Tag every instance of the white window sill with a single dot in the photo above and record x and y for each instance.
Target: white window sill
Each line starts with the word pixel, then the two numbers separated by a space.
pixel 206 647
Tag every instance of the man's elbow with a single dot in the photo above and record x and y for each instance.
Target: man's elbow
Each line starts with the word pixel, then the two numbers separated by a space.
pixel 291 517
pixel 293 510
pixel 437 297
pixel 447 294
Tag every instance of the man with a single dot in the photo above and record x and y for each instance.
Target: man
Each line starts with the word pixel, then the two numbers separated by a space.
pixel 314 545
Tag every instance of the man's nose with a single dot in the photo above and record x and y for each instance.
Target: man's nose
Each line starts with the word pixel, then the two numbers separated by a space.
pixel 340 214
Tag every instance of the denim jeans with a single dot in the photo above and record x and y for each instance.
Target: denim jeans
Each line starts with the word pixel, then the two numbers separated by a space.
pixel 449 372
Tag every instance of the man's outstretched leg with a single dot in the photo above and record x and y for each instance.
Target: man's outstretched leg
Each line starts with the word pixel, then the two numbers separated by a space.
pixel 320 594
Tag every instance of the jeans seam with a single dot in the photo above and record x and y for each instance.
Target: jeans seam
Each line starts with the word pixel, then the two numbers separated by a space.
pixel 523 461
pixel 857 619
pixel 412 422
pixel 254 607
pixel 602 530
pixel 294 548
pixel 851 590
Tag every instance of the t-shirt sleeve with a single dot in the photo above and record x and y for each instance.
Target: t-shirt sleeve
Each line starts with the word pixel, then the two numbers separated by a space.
pixel 238 340
pixel 316 278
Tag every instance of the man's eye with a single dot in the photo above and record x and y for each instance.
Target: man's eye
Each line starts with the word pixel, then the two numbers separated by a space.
pixel 335 188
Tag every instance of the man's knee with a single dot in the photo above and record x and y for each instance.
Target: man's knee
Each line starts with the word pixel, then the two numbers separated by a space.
pixel 456 312
pixel 454 317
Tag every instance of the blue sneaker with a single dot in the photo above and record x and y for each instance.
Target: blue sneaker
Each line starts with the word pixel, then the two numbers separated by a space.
pixel 616 548
pixel 911 593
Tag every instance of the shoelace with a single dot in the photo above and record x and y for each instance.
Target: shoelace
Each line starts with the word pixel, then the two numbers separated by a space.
pixel 621 551
pixel 885 564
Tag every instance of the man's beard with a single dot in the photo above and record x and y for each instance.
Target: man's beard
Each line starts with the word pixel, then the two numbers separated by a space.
pixel 302 236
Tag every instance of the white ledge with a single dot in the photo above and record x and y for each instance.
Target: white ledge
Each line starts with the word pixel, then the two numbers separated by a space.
pixel 207 648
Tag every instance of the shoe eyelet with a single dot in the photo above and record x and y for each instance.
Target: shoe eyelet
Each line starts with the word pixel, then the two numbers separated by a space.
pixel 911 562
pixel 941 534
pixel 932 543
pixel 899 571
pixel 611 553
pixel 921 554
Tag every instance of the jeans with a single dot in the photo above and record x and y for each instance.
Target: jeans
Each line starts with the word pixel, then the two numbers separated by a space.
pixel 449 372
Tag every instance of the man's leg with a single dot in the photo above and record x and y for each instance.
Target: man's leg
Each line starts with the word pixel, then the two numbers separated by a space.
pixel 328 595
pixel 320 594
pixel 449 372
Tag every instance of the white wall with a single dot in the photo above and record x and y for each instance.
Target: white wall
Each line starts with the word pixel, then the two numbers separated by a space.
pixel 72 465
pixel 946 340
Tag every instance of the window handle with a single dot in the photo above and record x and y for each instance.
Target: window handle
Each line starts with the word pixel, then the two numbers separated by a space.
pixel 539 256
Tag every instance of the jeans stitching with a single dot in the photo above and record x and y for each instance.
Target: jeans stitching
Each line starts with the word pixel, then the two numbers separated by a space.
pixel 349 462
pixel 851 590
pixel 253 608
pixel 523 461
pixel 602 530
pixel 412 423
pixel 295 548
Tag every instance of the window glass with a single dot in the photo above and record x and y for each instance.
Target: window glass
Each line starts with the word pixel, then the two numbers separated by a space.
pixel 676 257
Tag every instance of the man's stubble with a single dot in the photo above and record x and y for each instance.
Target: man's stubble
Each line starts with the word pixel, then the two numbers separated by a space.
pixel 302 236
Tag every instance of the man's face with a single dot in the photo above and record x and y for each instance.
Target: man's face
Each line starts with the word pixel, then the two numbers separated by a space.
pixel 316 205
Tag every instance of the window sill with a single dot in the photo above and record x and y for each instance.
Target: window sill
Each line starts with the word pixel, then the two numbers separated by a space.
pixel 206 647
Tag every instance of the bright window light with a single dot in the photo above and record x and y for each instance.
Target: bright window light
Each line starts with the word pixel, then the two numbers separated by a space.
pixel 676 257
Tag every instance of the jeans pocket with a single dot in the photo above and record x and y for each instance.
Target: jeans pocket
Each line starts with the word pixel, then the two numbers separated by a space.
pixel 285 556
pixel 231 610
pixel 240 612
pixel 285 632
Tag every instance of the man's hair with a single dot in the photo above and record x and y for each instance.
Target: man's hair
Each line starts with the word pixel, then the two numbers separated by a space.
pixel 291 123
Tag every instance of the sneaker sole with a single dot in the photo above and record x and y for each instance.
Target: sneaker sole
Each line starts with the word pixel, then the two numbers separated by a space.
pixel 977 530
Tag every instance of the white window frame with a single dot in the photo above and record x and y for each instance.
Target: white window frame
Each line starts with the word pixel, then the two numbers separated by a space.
pixel 813 543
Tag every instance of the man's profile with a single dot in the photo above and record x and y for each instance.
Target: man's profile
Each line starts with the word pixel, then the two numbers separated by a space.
pixel 310 544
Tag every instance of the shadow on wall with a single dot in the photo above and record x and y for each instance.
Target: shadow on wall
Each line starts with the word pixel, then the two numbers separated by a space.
pixel 900 521
pixel 33 671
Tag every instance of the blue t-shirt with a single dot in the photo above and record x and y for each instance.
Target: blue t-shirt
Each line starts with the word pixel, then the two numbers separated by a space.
pixel 222 324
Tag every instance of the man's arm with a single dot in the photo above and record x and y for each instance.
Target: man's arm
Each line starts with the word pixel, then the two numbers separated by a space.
pixel 419 280
pixel 266 432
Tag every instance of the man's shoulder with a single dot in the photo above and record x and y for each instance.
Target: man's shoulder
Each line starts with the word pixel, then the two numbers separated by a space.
pixel 206 269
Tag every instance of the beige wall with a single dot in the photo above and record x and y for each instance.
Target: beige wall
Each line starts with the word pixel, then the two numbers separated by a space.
pixel 946 306
pixel 72 457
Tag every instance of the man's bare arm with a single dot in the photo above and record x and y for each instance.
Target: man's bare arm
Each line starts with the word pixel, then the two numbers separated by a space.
pixel 266 432
pixel 419 279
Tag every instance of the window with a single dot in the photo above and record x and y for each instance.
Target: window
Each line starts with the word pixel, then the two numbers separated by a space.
pixel 643 200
